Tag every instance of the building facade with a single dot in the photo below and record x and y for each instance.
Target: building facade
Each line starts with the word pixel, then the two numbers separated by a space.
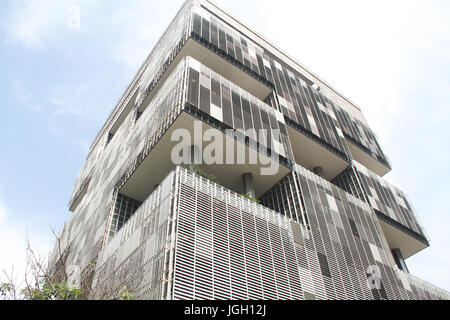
pixel 283 196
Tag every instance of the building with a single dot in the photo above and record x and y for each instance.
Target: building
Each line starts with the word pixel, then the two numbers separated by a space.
pixel 298 207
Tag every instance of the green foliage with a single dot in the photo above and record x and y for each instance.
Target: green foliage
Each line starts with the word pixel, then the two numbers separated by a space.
pixel 62 291
pixel 5 289
pixel 44 284
pixel 125 294
pixel 52 291
pixel 196 169
pixel 246 195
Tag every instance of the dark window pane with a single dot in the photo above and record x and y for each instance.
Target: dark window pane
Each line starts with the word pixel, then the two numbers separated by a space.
pixel 230 45
pixel 261 66
pixel 237 113
pixel 324 268
pixel 215 92
pixel 226 106
pixel 353 227
pixel 256 117
pixel 247 114
pixel 205 99
pixel 238 52
pixel 205 29
pixel 197 25
pixel 266 126
pixel 222 41
pixel 214 34
pixel 194 78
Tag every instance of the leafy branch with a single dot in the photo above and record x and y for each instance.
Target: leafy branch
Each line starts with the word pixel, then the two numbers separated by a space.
pixel 248 196
pixel 198 171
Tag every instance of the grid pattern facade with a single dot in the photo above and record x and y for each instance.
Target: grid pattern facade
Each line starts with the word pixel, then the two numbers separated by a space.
pixel 151 123
pixel 360 135
pixel 124 208
pixel 236 108
pixel 229 247
pixel 295 96
pixel 391 201
pixel 140 251
pixel 388 201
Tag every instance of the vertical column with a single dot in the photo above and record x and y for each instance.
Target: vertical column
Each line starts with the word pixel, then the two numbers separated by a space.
pixel 398 257
pixel 249 187
pixel 318 171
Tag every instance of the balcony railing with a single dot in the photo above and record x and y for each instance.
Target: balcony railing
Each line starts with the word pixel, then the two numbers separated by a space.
pixel 401 227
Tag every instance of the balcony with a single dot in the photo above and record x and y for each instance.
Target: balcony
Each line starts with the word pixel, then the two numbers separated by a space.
pixel 212 59
pixel 231 114
pixel 364 156
pixel 400 237
pixel 396 215
pixel 311 152
pixel 158 163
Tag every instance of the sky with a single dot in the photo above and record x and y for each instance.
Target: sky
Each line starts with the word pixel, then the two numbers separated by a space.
pixel 60 77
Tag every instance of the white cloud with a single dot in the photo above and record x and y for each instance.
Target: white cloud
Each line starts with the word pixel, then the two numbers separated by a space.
pixel 30 22
pixel 58 100
pixel 137 26
pixel 25 97
pixel 130 27
pixel 2 213
pixel 68 100
pixel 13 245
pixel 83 145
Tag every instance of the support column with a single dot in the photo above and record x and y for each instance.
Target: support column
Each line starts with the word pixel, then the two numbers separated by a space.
pixel 398 257
pixel 318 171
pixel 249 187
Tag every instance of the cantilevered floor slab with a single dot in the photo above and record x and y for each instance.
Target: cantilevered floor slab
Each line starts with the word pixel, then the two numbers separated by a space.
pixel 367 160
pixel 309 154
pixel 217 63
pixel 398 239
pixel 158 164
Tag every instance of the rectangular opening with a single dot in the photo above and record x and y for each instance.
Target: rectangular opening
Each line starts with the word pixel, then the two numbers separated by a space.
pixel 311 155
pixel 124 208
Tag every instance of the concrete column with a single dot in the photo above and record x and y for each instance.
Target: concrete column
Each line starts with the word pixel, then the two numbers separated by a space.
pixel 318 171
pixel 398 257
pixel 249 187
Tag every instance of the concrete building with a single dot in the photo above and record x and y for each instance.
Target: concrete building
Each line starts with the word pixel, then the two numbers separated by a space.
pixel 325 224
